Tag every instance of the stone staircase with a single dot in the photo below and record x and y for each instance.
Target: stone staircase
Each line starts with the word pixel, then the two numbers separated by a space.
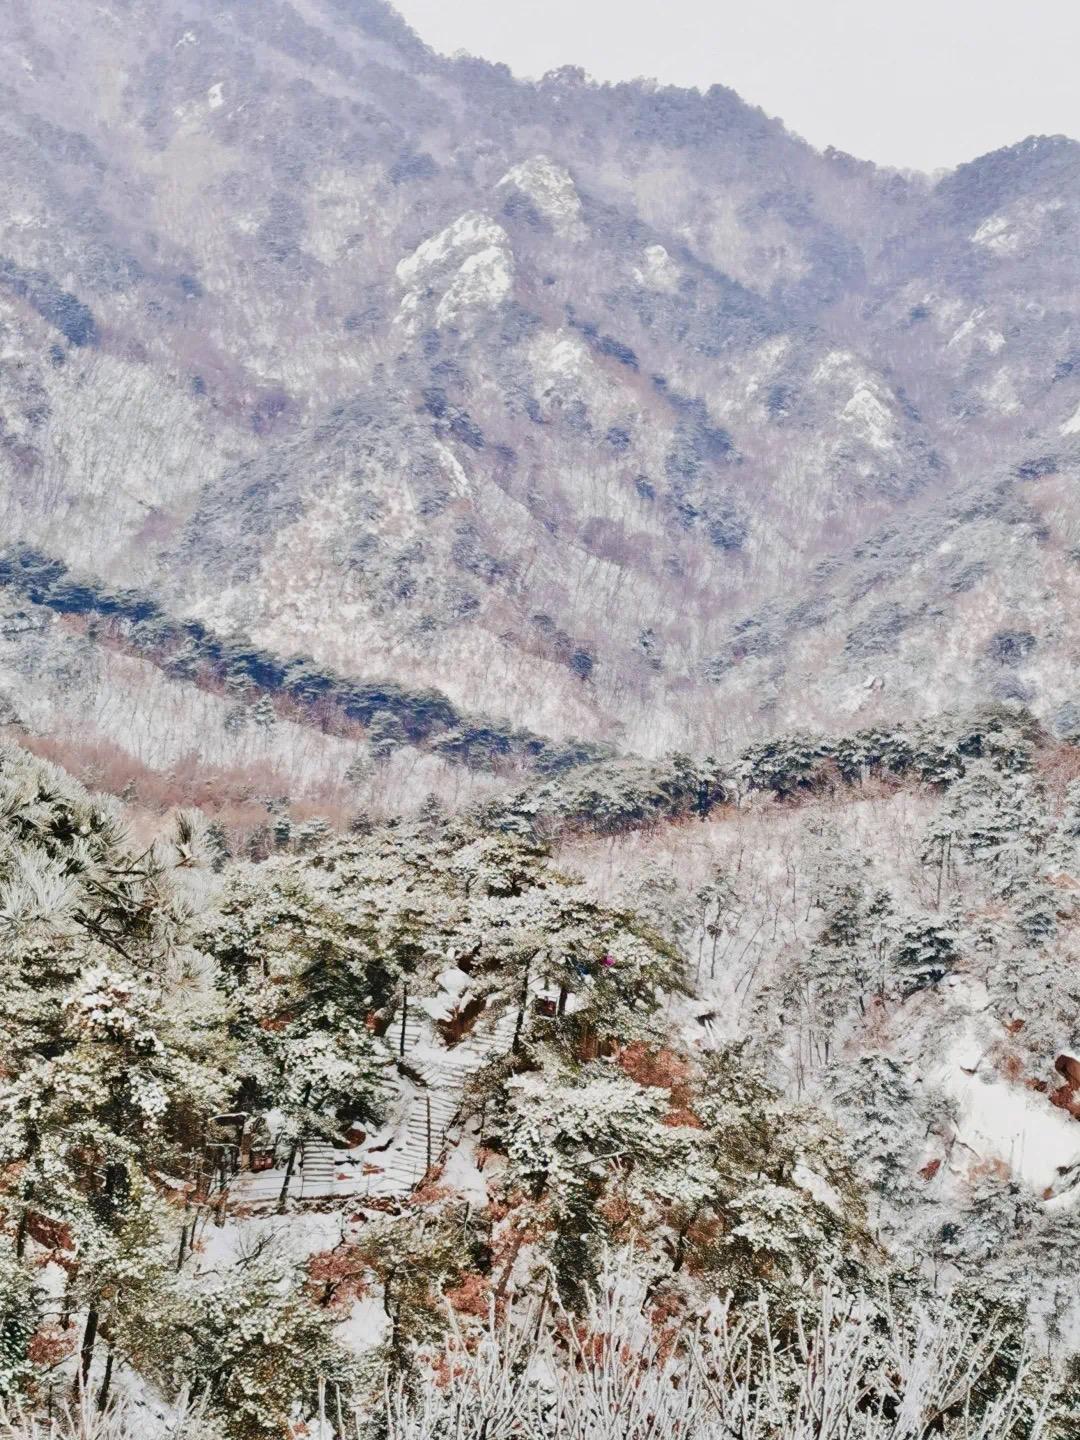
pixel 435 1102
pixel 318 1168
pixel 428 1110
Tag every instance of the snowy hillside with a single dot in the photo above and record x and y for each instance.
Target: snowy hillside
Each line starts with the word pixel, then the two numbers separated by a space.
pixel 607 411
pixel 539 753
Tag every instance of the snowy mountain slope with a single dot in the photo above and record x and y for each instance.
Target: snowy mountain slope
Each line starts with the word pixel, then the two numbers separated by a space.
pixel 564 602
pixel 529 393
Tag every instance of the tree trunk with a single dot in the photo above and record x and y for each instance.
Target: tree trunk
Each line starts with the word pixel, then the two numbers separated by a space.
pixel 288 1176
pixel 24 1217
pixel 103 1393
pixel 523 1001
pixel 292 1160
pixel 86 1350
pixel 20 1232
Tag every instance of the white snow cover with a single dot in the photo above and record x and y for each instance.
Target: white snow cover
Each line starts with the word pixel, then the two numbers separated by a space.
pixel 997 234
pixel 1000 394
pixel 870 417
pixel 817 1186
pixel 551 191
pixel 1016 230
pixel 453 980
pixel 867 413
pixel 1007 1122
pixel 469 265
pixel 484 281
pixel 461 1175
pixel 366 1326
pixel 1072 425
pixel 454 468
pixel 559 358
pixel 657 271
pixel 972 333
pixel 469 233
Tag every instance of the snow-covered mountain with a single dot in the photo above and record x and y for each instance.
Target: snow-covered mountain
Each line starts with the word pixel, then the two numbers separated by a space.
pixel 614 411
pixel 564 602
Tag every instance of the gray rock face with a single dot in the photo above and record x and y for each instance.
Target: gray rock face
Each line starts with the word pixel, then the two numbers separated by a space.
pixel 440 377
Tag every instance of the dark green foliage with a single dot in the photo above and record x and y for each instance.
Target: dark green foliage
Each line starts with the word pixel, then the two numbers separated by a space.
pixel 926 949
pixel 385 734
pixel 56 306
pixel 873 751
pixel 400 715
pixel 20 1314
pixel 786 764
pixel 1011 647
pixel 933 751
pixel 878 633
pixel 413 167
pixel 615 795
pixel 1038 467
pixel 485 744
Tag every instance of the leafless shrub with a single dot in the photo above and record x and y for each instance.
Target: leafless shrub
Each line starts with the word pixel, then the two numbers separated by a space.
pixel 82 1419
pixel 854 1371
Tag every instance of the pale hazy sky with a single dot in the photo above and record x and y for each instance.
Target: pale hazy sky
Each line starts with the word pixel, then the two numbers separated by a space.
pixel 920 83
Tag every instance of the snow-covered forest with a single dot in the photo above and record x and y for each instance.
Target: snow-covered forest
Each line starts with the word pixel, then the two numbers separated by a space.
pixel 539 753
pixel 744 1110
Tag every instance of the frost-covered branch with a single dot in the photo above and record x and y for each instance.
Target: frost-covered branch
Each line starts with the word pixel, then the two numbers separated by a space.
pixel 851 1370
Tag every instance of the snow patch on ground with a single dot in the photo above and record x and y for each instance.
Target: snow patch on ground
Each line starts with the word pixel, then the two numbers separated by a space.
pixel 483 282
pixel 870 418
pixel 469 233
pixel 972 334
pixel 1014 231
pixel 837 364
pixel 997 234
pixel 563 370
pixel 454 469
pixel 1006 1123
pixel 461 1175
pixel 1000 394
pixel 817 1186
pixel 366 1326
pixel 1072 425
pixel 868 412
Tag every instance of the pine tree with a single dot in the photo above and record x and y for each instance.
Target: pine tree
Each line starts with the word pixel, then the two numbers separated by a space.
pixel 253 1342
pixel 21 1312
pixel 87 1119
pixel 106 1079
pixel 385 734
pixel 262 714
pixel 217 845
pixel 300 981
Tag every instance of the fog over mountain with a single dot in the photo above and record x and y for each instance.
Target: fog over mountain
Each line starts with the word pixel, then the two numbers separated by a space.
pixel 437 486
